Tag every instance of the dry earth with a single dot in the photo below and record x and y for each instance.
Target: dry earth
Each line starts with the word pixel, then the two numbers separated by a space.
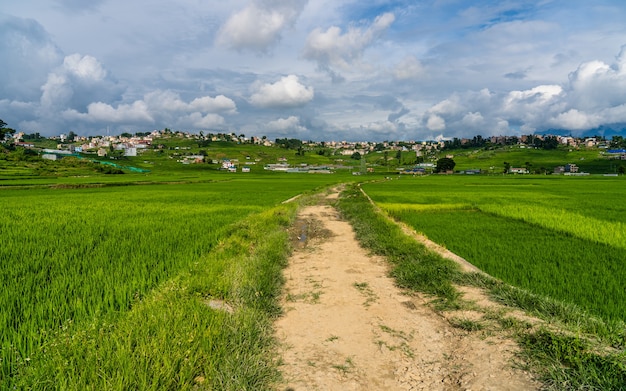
pixel 346 325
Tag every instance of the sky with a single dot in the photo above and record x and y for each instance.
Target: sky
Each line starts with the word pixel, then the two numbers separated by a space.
pixel 314 69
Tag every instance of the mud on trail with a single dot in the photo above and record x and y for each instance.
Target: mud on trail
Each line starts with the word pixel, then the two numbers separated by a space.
pixel 346 326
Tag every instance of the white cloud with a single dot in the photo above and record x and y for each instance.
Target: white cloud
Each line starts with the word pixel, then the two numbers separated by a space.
pixel 435 123
pixel 219 104
pixel 596 85
pixel 382 127
pixel 170 101
pixel 163 107
pixel 84 67
pixel 409 68
pixel 199 121
pixel 260 24
pixel 287 92
pixel 333 48
pixel 575 120
pixel 286 125
pixel 56 92
pixel 473 120
pixel 137 112
pixel 77 82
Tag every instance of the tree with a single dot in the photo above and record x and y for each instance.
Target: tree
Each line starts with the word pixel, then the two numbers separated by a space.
pixel 507 167
pixel 445 164
pixel 356 156
pixel 4 130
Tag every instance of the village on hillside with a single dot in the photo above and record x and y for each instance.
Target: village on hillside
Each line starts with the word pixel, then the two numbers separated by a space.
pixel 425 153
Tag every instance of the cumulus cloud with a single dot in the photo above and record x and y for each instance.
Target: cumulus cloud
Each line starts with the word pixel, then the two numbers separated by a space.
pixel 287 125
pixel 170 101
pixel 137 112
pixel 287 92
pixel 160 107
pixel 574 119
pixel 79 81
pixel 381 127
pixel 596 85
pixel 28 53
pixel 333 48
pixel 84 67
pixel 259 25
pixel 594 96
pixel 435 123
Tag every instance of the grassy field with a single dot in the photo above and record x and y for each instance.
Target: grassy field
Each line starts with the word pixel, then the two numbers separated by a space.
pixel 570 351
pixel 590 160
pixel 104 273
pixel 560 237
pixel 97 274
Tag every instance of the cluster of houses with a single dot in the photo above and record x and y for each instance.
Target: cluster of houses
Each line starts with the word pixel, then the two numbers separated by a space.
pixel 127 145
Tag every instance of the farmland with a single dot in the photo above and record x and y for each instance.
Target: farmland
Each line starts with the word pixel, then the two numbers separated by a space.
pixel 103 273
pixel 77 261
pixel 559 237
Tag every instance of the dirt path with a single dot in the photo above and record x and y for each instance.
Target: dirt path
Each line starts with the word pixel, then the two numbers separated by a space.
pixel 347 327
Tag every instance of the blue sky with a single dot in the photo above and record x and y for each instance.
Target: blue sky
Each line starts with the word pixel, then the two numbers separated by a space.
pixel 314 70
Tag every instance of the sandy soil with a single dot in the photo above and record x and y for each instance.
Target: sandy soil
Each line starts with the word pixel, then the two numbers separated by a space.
pixel 348 327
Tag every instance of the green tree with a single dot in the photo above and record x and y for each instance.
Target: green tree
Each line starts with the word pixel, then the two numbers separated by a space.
pixel 71 136
pixel 4 130
pixel 507 167
pixel 356 156
pixel 445 164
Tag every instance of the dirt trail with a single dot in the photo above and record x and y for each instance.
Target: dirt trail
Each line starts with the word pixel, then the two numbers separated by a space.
pixel 348 327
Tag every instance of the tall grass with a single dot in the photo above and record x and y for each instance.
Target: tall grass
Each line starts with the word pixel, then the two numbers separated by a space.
pixel 544 235
pixel 74 258
pixel 586 354
pixel 574 224
pixel 176 338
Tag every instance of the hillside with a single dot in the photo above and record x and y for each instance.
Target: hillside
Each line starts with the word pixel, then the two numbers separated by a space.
pixel 185 157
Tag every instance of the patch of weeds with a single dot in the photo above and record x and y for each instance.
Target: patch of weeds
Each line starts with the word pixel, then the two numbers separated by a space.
pixel 510 322
pixel 307 297
pixel 396 333
pixel 365 289
pixel 315 296
pixel 466 324
pixel 403 346
pixel 314 283
pixel 569 362
pixel 293 298
pixel 346 367
pixel 332 338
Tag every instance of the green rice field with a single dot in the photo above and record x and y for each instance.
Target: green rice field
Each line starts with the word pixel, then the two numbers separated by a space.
pixel 81 266
pixel 561 237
